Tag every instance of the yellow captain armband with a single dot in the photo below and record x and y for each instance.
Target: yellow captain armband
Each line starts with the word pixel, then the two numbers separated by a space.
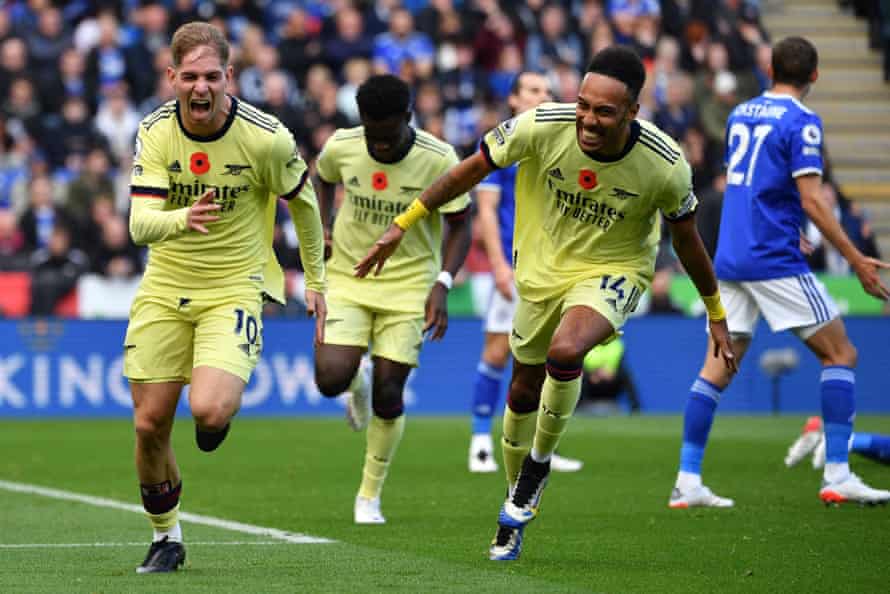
pixel 416 211
pixel 714 307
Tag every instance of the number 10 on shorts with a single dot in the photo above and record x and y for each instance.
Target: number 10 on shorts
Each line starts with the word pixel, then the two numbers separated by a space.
pixel 247 322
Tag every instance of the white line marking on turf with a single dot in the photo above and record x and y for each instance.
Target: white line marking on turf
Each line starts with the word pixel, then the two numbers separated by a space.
pixel 291 537
pixel 74 545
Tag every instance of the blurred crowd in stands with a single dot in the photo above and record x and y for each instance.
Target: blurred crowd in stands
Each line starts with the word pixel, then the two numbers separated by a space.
pixel 77 76
pixel 877 14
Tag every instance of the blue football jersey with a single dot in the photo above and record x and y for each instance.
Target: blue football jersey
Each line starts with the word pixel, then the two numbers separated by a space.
pixel 770 140
pixel 504 181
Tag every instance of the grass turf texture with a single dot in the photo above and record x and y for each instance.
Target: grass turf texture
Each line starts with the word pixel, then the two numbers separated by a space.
pixel 605 529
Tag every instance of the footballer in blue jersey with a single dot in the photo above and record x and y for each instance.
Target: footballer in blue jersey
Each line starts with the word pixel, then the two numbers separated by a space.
pixel 774 176
pixel 771 141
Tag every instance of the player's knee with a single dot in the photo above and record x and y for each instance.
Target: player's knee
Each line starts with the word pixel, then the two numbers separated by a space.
pixel 330 387
pixel 330 380
pixel 387 401
pixel 523 399
pixel 211 416
pixel 566 353
pixel 152 429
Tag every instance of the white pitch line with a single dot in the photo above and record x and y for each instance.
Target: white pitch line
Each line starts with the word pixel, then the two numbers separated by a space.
pixel 291 537
pixel 76 545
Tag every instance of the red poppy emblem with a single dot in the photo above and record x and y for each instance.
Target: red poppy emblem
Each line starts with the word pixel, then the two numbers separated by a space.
pixel 199 163
pixel 587 179
pixel 378 180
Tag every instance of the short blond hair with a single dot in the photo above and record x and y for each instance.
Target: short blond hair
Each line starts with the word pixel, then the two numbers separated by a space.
pixel 195 34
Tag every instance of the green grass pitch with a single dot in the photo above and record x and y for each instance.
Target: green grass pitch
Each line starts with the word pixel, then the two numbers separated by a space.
pixel 605 529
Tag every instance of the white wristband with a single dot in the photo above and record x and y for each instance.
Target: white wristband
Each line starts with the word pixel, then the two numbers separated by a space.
pixel 446 279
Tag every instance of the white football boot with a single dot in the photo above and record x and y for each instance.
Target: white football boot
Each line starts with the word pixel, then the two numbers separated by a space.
pixel 806 443
pixel 482 454
pixel 852 490
pixel 367 511
pixel 699 496
pixel 819 453
pixel 561 464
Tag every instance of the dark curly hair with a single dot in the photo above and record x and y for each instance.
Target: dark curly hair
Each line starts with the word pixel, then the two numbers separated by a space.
pixel 383 96
pixel 623 64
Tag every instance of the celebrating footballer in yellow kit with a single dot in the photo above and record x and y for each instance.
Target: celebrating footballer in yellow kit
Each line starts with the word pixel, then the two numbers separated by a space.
pixel 383 165
pixel 207 174
pixel 588 193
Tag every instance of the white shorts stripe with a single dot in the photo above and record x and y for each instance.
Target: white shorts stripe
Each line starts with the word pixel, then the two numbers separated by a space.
pixel 820 308
pixel 799 303
pixel 808 292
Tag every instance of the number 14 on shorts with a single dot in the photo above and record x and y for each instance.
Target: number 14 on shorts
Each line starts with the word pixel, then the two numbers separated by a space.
pixel 620 294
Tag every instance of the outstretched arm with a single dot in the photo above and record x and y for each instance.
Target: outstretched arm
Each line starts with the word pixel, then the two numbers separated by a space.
pixel 866 268
pixel 691 251
pixel 456 181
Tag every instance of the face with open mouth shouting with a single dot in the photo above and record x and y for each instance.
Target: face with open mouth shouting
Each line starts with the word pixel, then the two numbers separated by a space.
pixel 200 85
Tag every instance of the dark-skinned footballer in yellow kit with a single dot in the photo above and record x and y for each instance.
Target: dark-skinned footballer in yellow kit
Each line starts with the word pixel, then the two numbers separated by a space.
pixel 383 166
pixel 591 184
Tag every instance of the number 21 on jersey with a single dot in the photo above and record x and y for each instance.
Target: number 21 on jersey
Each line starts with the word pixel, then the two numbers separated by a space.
pixel 744 152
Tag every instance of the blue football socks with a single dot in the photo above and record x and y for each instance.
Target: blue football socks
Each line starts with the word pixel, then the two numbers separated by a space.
pixel 697 421
pixel 486 391
pixel 838 410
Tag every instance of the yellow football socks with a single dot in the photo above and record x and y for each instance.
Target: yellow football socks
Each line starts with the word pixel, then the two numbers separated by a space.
pixel 558 401
pixel 519 430
pixel 383 439
pixel 166 525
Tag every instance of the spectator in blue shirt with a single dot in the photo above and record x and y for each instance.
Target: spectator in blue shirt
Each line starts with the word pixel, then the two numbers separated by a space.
pixel 554 44
pixel 402 43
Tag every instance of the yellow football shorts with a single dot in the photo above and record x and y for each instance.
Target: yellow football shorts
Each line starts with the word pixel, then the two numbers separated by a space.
pixel 615 296
pixel 167 336
pixel 396 336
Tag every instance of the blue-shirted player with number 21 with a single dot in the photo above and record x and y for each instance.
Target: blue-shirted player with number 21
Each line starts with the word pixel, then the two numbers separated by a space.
pixel 774 172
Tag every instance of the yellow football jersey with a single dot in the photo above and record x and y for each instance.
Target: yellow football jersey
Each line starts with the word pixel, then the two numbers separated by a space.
pixel 577 217
pixel 375 194
pixel 250 161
